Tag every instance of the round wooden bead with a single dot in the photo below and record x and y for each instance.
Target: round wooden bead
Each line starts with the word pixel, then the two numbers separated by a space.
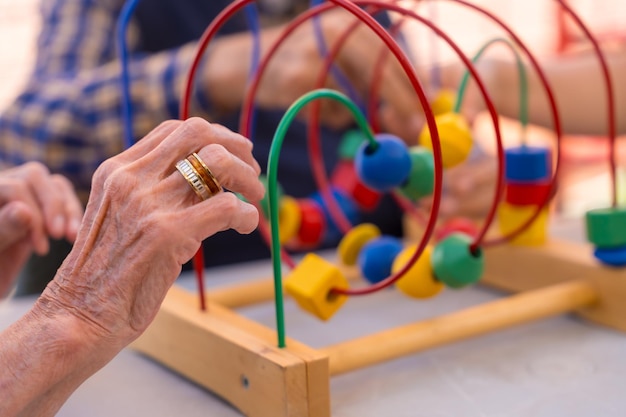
pixel 418 281
pixel 456 225
pixel 421 180
pixel 351 141
pixel 265 202
pixel 312 224
pixel 455 137
pixel 376 258
pixel 351 244
pixel 288 219
pixel 606 228
pixel 611 256
pixel 443 102
pixel 347 206
pixel 344 178
pixel 385 167
pixel 454 264
pixel 526 193
pixel 528 164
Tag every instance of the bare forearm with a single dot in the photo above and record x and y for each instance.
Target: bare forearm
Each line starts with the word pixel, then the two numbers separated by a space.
pixel 43 359
pixel 579 90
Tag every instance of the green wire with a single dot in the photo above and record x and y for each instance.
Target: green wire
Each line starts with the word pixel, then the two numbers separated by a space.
pixel 523 83
pixel 272 188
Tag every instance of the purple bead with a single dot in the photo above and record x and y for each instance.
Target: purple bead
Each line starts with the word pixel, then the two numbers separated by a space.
pixel 384 167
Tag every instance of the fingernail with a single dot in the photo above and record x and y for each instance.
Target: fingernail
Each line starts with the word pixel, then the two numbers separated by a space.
pixel 57 226
pixel 74 225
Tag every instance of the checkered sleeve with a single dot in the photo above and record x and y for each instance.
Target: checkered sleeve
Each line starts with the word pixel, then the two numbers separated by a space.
pixel 69 114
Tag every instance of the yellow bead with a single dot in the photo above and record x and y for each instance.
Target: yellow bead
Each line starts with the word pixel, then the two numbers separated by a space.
pixel 455 137
pixel 310 284
pixel 419 281
pixel 511 217
pixel 288 219
pixel 443 102
pixel 351 244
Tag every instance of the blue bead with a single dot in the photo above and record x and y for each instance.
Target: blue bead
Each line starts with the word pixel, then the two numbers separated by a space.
pixel 349 208
pixel 611 256
pixel 377 256
pixel 528 164
pixel 384 167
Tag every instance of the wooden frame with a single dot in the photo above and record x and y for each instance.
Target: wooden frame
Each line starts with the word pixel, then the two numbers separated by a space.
pixel 238 360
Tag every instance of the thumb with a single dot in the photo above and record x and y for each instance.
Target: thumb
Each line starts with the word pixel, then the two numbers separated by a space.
pixel 15 223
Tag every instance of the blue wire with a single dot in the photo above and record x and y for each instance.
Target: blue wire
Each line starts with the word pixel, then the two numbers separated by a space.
pixel 252 16
pixel 341 78
pixel 127 111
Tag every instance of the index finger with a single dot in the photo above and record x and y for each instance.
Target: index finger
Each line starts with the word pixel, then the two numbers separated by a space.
pixel 194 134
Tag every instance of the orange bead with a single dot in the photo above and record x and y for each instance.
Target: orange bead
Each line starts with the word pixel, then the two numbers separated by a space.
pixel 455 137
pixel 310 284
pixel 351 244
pixel 511 217
pixel 419 281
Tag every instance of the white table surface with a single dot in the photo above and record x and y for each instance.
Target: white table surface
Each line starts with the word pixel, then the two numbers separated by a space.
pixel 557 367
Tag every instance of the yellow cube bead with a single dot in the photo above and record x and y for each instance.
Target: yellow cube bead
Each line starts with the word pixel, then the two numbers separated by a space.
pixel 419 281
pixel 351 244
pixel 511 217
pixel 289 218
pixel 455 137
pixel 310 284
pixel 443 102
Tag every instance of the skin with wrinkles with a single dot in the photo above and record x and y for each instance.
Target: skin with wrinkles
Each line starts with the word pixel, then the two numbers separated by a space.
pixel 141 224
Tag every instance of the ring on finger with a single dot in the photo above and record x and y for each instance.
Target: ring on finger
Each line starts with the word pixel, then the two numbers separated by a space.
pixel 193 178
pixel 205 173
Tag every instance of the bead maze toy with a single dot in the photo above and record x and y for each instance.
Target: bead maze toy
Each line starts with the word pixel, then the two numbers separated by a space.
pixel 263 373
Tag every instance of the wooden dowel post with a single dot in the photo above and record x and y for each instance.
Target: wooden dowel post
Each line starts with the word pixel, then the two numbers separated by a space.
pixel 243 294
pixel 474 321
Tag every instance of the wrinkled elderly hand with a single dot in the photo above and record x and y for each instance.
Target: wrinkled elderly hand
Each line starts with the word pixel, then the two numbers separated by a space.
pixel 142 222
pixel 34 206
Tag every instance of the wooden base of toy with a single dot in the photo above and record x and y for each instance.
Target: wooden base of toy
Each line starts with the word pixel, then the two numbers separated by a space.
pixel 238 360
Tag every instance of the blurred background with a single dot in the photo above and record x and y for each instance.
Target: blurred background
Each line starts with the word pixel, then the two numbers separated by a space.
pixel 538 22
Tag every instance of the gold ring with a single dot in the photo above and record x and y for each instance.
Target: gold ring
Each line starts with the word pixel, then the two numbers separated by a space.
pixel 193 178
pixel 205 173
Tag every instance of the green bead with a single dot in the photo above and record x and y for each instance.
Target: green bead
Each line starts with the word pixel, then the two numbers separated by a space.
pixel 454 264
pixel 606 228
pixel 350 143
pixel 265 202
pixel 421 180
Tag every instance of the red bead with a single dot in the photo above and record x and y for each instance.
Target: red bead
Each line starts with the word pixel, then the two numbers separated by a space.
pixel 345 179
pixel 312 225
pixel 456 224
pixel 526 193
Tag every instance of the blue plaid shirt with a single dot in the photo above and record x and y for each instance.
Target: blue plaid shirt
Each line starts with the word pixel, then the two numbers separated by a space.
pixel 68 116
